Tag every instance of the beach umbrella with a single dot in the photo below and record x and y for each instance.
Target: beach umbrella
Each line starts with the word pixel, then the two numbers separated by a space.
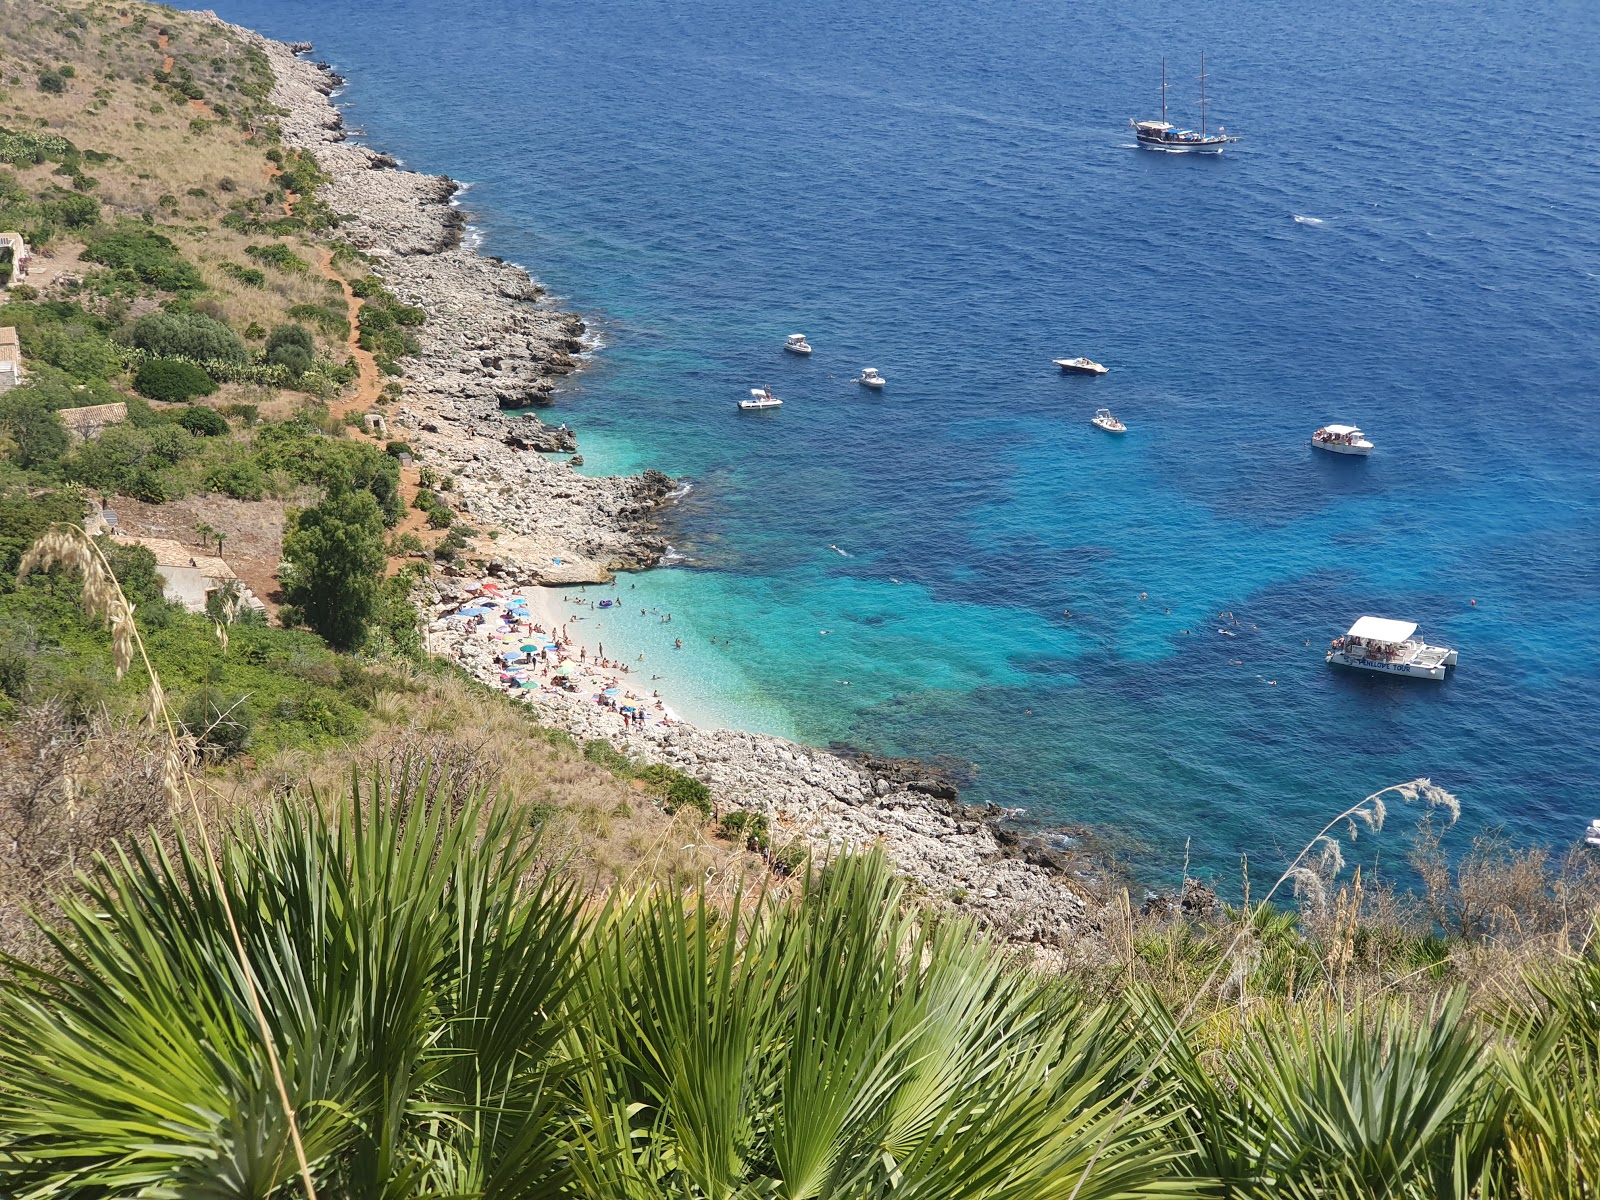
pixel 564 669
pixel 531 648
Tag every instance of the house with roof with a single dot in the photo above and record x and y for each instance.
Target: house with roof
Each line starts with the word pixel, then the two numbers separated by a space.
pixel 91 420
pixel 188 578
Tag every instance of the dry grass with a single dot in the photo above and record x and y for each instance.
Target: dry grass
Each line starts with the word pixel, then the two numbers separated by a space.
pixel 599 827
pixel 182 175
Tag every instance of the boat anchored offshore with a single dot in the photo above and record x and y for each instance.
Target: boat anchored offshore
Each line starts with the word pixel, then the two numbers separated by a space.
pixel 1103 419
pixel 1079 366
pixel 760 398
pixel 869 377
pixel 796 343
pixel 1380 644
pixel 1341 439
pixel 1161 135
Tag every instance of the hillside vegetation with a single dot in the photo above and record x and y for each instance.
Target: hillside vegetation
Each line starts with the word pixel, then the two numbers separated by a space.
pixel 286 906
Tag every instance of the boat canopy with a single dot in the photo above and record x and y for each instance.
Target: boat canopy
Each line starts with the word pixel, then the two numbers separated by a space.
pixel 1340 430
pixel 1159 126
pixel 797 337
pixel 1382 629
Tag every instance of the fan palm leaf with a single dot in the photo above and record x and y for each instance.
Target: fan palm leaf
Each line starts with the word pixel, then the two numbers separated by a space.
pixel 415 980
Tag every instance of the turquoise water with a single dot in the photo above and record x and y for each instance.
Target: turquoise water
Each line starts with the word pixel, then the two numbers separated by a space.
pixel 1406 239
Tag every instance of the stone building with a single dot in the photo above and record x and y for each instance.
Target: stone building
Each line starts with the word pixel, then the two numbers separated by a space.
pixel 10 358
pixel 12 240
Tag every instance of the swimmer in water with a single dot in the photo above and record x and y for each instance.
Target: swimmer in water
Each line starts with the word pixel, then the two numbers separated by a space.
pixel 1143 596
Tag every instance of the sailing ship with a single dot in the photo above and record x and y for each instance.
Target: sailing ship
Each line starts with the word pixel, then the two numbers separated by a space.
pixel 1164 136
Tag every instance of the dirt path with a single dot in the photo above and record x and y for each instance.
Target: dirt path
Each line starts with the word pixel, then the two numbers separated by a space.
pixel 369 381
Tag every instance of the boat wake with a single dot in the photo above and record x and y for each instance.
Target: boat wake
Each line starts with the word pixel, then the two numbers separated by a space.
pixel 836 550
pixel 1303 220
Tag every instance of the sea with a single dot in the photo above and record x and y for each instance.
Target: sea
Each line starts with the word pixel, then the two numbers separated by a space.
pixel 1121 635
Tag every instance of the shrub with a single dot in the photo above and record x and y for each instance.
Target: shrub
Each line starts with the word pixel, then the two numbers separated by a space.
pixel 187 335
pixel 249 276
pixel 53 82
pixel 276 254
pixel 173 382
pixel 203 422
pixel 221 723
pixel 139 253
pixel 241 479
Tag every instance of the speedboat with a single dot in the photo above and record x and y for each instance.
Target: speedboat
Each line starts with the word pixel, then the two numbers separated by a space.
pixel 1103 419
pixel 1592 834
pixel 1079 366
pixel 760 398
pixel 1341 439
pixel 1381 644
pixel 869 377
pixel 796 343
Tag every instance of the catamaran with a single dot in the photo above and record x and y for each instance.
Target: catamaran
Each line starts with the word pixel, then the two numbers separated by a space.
pixel 1161 135
pixel 1382 644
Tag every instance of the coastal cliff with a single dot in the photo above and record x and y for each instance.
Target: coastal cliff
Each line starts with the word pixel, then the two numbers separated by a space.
pixel 490 344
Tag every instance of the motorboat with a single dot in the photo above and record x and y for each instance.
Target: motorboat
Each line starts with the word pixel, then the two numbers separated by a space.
pixel 1079 366
pixel 1389 646
pixel 869 377
pixel 1164 136
pixel 1341 439
pixel 796 343
pixel 1591 835
pixel 1103 419
pixel 760 398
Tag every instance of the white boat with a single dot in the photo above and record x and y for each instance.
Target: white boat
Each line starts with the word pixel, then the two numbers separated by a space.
pixel 1079 366
pixel 796 343
pixel 1381 644
pixel 1103 419
pixel 1341 439
pixel 869 377
pixel 1592 834
pixel 760 398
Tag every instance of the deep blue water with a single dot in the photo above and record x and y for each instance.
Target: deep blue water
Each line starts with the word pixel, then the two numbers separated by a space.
pixel 948 192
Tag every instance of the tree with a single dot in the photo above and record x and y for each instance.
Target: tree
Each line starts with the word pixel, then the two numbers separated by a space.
pixel 31 422
pixel 335 564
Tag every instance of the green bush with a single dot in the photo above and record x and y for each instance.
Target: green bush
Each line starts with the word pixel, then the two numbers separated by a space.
pixel 203 422
pixel 221 723
pixel 53 82
pixel 139 253
pixel 173 382
pixel 276 254
pixel 249 276
pixel 64 335
pixel 187 335
pixel 241 479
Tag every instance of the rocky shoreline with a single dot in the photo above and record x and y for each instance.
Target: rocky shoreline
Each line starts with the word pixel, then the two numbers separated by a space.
pixel 490 344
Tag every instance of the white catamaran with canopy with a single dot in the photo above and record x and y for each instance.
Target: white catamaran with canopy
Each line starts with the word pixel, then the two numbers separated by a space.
pixel 1383 644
